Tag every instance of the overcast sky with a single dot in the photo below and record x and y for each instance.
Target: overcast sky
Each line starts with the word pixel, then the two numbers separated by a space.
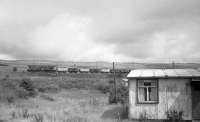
pixel 99 30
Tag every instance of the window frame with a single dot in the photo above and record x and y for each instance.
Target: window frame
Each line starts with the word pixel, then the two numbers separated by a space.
pixel 137 92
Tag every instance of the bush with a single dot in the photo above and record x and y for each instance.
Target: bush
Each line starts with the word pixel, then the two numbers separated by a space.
pixel 104 88
pixel 28 89
pixel 122 94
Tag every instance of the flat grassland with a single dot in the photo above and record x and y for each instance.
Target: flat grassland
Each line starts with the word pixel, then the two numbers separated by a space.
pixel 47 97
pixel 56 98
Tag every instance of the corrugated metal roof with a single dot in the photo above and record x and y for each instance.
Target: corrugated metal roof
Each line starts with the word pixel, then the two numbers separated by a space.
pixel 163 73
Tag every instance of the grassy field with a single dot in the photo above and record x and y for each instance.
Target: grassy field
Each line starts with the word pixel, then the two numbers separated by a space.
pixel 56 98
pixel 47 97
pixel 66 106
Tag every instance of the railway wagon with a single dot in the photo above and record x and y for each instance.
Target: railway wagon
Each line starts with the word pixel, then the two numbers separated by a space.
pixel 95 70
pixel 73 70
pixel 125 70
pixel 105 70
pixel 62 69
pixel 116 71
pixel 84 70
pixel 120 71
pixel 42 68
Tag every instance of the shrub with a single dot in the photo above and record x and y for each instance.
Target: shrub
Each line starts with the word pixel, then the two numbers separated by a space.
pixel 27 84
pixel 103 87
pixel 28 88
pixel 122 94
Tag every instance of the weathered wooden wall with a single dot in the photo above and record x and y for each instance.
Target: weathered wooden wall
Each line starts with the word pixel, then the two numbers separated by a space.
pixel 173 94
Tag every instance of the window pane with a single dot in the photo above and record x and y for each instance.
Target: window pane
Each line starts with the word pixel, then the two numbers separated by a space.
pixel 153 83
pixel 142 94
pixel 147 90
pixel 153 96
pixel 140 83
pixel 147 83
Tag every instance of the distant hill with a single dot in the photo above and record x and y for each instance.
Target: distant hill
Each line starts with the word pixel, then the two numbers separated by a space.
pixel 1 64
pixel 99 64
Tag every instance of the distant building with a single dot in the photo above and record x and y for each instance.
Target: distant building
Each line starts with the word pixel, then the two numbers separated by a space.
pixel 154 92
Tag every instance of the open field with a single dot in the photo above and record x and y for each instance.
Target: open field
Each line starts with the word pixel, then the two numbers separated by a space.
pixel 66 106
pixel 55 98
pixel 51 97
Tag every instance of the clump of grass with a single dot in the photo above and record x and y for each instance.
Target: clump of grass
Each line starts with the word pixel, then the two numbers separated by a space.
pixel 38 118
pixel 76 119
pixel 94 101
pixel 143 117
pixel 174 115
pixel 25 114
pixel 53 88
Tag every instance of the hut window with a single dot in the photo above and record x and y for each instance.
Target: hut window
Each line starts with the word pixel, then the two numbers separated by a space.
pixel 147 91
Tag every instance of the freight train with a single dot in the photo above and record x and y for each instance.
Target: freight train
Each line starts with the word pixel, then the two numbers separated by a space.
pixel 42 68
pixel 54 68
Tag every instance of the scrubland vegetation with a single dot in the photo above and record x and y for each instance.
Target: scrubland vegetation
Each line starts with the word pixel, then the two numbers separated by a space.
pixel 50 97
pixel 45 97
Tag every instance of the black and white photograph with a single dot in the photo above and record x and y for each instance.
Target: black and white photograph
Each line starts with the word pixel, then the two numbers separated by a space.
pixel 99 60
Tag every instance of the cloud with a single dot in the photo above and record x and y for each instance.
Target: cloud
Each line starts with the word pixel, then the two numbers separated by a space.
pixel 161 29
pixel 105 30
pixel 67 37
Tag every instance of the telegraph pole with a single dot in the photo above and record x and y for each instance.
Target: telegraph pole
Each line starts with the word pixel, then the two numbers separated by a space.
pixel 115 85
